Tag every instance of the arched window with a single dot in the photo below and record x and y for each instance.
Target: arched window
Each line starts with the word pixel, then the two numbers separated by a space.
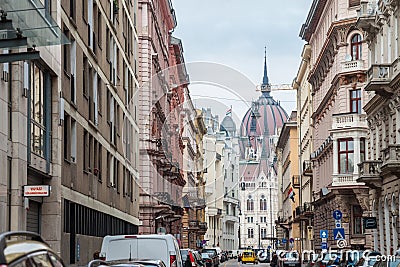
pixel 263 203
pixel 253 125
pixel 250 204
pixel 250 233
pixel 356 47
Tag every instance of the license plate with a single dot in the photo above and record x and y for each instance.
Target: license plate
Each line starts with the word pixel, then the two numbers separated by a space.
pixel 292 264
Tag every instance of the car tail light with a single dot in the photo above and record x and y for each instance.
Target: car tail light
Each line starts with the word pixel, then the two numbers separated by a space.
pixel 100 258
pixel 192 259
pixel 208 260
pixel 172 260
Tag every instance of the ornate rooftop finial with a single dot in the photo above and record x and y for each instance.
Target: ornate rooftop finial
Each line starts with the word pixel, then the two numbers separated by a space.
pixel 265 86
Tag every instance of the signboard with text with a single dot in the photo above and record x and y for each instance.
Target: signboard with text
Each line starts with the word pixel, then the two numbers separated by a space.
pixel 36 190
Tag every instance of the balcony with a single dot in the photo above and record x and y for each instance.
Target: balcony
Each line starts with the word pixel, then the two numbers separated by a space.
pixel 193 225
pixel 209 190
pixel 344 180
pixel 369 173
pixel 353 66
pixel 307 168
pixel 366 17
pixel 308 209
pixel 202 227
pixel 348 120
pixel 379 78
pixel 391 160
pixel 231 218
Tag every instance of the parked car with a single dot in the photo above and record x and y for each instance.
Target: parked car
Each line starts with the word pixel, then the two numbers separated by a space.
pixel 350 258
pixel 326 258
pixel 388 262
pixel 230 254
pixel 28 250
pixel 127 263
pixel 291 259
pixel 198 258
pixel 214 255
pixel 188 254
pixel 122 247
pixel 207 258
pixel 249 256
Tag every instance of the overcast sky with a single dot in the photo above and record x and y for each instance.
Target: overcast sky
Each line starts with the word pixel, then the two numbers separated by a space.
pixel 233 33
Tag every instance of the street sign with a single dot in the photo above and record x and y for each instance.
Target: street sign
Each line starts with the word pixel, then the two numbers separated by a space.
pixel 338 223
pixel 310 233
pixel 284 241
pixel 338 233
pixel 337 215
pixel 324 240
pixel 291 240
pixel 37 190
pixel 323 233
pixel 324 245
pixel 370 223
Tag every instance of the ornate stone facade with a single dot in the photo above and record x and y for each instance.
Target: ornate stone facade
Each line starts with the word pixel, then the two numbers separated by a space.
pixel 379 21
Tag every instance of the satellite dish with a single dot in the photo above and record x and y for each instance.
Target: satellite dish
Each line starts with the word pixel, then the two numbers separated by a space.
pixel 348 58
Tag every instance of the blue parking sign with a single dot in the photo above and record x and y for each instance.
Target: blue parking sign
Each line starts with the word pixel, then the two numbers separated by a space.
pixel 324 245
pixel 323 233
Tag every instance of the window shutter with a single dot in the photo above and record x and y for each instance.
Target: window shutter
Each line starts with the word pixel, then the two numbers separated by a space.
pixel 353 3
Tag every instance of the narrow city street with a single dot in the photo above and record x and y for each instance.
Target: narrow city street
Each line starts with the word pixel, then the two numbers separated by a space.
pixel 235 263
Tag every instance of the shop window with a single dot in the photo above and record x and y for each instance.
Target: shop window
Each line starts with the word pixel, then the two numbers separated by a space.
pixel 357 220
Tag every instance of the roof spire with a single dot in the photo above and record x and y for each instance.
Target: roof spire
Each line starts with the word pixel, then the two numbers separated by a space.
pixel 265 86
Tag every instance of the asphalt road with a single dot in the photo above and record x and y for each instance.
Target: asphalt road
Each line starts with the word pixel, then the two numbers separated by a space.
pixel 235 263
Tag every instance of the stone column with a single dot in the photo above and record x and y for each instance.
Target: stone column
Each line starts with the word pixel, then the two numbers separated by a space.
pixel 362 196
pixel 335 157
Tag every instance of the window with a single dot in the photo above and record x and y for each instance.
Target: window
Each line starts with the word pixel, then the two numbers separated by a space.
pixel 263 203
pixel 250 233
pixel 263 233
pixel 250 204
pixel 253 125
pixel 72 9
pixel 249 219
pixel 346 155
pixel 67 136
pixel 86 76
pixel 356 45
pixel 72 55
pixel 362 149
pixel 353 3
pixel 357 220
pixel 86 151
pixel 99 28
pixel 39 105
pixel 355 101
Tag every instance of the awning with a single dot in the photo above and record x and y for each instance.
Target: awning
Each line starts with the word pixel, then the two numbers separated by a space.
pixel 28 19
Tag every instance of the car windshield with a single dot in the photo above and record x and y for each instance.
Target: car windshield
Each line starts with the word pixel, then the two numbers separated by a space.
pixel 184 254
pixel 291 255
pixel 371 261
pixel 205 255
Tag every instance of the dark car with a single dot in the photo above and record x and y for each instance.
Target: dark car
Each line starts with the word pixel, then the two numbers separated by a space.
pixel 291 259
pixel 26 249
pixel 207 259
pixel 189 255
pixel 213 254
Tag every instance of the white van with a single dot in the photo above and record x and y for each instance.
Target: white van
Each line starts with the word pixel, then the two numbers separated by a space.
pixel 153 247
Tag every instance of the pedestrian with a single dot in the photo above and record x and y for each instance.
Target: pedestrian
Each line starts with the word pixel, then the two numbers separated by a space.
pixel 274 260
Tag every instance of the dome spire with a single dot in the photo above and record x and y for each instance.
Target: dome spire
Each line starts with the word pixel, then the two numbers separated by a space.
pixel 265 86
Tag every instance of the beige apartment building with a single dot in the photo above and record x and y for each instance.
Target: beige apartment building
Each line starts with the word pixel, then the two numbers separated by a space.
pixel 338 61
pixel 289 181
pixel 304 210
pixel 380 169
